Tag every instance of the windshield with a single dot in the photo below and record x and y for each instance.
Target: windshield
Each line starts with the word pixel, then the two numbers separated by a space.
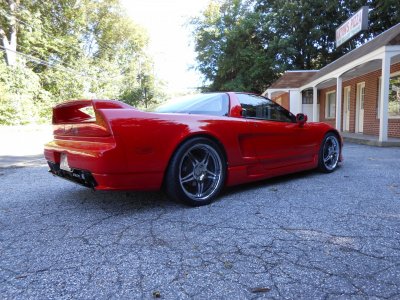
pixel 216 104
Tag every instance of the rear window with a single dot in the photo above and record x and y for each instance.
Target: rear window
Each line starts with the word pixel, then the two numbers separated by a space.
pixel 205 104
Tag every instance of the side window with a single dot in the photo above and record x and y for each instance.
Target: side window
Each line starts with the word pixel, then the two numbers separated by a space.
pixel 256 107
pixel 330 105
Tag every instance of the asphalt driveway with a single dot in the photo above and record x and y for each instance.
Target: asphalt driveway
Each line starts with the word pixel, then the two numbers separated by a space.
pixel 304 236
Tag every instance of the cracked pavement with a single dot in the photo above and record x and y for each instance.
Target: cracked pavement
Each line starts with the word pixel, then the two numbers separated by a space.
pixel 303 236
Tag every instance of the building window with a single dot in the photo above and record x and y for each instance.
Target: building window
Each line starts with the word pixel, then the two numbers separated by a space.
pixel 308 97
pixel 330 105
pixel 394 97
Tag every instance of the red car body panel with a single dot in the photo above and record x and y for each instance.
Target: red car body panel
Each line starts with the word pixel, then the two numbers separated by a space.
pixel 128 149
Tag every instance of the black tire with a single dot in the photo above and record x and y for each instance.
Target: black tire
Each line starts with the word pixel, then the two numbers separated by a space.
pixel 196 173
pixel 328 157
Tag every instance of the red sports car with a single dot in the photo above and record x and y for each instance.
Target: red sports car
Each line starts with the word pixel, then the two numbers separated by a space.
pixel 192 147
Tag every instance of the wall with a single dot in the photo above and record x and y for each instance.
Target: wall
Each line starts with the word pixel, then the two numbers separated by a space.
pixel 371 122
pixel 285 100
pixel 322 100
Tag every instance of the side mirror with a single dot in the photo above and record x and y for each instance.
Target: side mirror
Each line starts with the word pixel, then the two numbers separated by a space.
pixel 301 119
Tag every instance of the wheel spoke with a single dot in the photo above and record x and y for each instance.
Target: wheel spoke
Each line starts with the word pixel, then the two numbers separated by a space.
pixel 200 188
pixel 188 178
pixel 206 158
pixel 211 175
pixel 192 158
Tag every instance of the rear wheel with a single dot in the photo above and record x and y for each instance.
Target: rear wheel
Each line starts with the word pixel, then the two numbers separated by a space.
pixel 329 153
pixel 197 172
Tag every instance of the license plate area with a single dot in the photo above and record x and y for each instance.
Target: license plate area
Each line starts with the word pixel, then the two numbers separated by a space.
pixel 64 163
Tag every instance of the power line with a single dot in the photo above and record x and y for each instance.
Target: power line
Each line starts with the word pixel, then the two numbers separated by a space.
pixel 41 61
pixel 7 15
pixel 26 8
pixel 60 67
pixel 62 43
pixel 39 54
pixel 44 31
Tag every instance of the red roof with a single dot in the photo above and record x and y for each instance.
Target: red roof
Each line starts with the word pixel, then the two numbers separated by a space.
pixel 292 79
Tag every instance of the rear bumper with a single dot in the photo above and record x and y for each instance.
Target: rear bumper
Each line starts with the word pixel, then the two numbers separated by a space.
pixel 122 181
pixel 100 166
pixel 97 156
pixel 105 170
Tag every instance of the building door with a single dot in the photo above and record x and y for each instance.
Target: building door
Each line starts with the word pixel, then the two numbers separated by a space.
pixel 360 107
pixel 346 109
pixel 307 109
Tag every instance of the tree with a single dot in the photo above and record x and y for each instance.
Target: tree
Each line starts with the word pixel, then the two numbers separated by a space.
pixel 383 14
pixel 148 91
pixel 229 53
pixel 301 33
pixel 73 49
pixel 8 33
pixel 246 45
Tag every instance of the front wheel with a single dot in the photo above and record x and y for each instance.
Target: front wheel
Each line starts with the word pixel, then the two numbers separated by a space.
pixel 329 153
pixel 196 172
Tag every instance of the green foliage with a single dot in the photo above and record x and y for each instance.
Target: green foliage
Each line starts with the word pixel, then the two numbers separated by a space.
pixel 383 14
pixel 7 110
pixel 222 40
pixel 132 96
pixel 246 45
pixel 147 94
pixel 19 88
pixel 71 49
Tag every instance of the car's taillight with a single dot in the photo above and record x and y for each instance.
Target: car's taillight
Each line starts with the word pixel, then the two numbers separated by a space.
pixel 101 121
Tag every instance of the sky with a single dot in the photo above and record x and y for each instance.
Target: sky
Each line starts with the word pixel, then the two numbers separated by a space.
pixel 171 43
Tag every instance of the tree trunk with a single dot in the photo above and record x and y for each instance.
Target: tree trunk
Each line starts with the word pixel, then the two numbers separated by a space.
pixel 10 40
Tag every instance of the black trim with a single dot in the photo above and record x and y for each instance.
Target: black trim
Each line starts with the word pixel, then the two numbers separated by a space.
pixel 81 177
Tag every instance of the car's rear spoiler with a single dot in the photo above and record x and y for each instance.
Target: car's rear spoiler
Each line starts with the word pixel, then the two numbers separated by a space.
pixel 71 112
pixel 84 117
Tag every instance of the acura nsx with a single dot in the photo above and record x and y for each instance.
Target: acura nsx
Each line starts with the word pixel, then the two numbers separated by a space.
pixel 191 147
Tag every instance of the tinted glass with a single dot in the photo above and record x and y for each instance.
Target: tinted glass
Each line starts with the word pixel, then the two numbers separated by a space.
pixel 207 104
pixel 257 107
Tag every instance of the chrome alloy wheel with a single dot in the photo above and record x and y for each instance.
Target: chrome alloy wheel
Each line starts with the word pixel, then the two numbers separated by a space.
pixel 200 172
pixel 331 152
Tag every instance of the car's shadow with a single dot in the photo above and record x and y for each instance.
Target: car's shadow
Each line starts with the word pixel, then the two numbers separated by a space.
pixel 123 200
pixel 154 200
pixel 268 183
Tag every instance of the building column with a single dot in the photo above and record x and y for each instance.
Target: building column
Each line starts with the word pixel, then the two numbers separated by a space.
pixel 384 105
pixel 295 101
pixel 339 103
pixel 315 105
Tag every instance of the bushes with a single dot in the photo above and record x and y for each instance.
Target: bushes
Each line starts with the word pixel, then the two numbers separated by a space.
pixel 20 92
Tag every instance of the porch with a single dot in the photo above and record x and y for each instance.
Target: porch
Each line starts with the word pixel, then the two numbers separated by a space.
pixel 364 139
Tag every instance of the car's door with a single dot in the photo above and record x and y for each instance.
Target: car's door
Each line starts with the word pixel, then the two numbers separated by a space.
pixel 277 138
